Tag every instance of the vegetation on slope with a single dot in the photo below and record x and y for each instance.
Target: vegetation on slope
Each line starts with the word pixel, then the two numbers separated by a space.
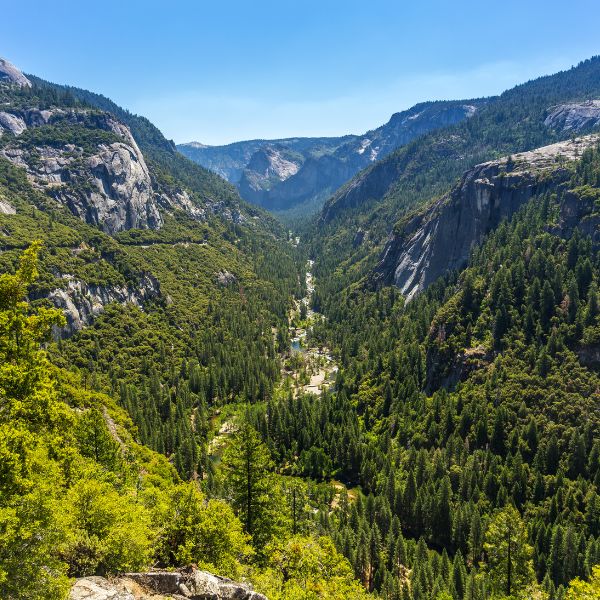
pixel 428 166
pixel 467 417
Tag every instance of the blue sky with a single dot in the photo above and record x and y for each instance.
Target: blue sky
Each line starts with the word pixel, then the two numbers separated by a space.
pixel 222 71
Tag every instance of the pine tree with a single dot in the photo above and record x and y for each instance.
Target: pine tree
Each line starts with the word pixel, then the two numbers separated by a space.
pixel 509 556
pixel 247 463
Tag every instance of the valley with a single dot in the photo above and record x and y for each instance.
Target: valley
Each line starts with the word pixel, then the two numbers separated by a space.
pixel 309 368
pixel 397 397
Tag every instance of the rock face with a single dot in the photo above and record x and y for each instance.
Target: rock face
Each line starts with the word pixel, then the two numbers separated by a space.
pixel 9 122
pixel 268 166
pixel 123 198
pixel 6 208
pixel 10 74
pixel 110 188
pixel 576 116
pixel 156 585
pixel 98 588
pixel 440 239
pixel 81 302
pixel 319 165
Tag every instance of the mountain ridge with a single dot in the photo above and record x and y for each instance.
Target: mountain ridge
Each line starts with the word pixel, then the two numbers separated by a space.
pixel 324 164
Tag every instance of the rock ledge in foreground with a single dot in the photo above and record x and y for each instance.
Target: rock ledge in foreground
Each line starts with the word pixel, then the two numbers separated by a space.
pixel 185 584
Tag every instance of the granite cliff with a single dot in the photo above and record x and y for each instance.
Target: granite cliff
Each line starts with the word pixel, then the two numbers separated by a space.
pixel 439 239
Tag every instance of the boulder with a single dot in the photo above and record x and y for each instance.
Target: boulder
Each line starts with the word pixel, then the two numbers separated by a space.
pixel 99 588
pixel 192 583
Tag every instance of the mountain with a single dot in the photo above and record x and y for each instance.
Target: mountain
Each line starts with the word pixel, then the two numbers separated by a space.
pixel 321 165
pixel 356 222
pixel 440 239
pixel 143 308
pixel 10 74
pixel 458 279
pixel 401 401
pixel 230 160
pixel 477 399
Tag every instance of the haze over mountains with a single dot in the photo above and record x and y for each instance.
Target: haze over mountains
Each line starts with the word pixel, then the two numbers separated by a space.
pixel 295 176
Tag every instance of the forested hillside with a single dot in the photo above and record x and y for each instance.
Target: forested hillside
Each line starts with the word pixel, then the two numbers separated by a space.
pixel 164 354
pixel 469 417
pixel 150 303
pixel 355 223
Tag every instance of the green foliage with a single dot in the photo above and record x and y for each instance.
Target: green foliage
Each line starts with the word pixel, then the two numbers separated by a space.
pixel 585 590
pixel 247 465
pixel 509 556
pixel 304 568
pixel 107 531
pixel 194 530
pixel 480 394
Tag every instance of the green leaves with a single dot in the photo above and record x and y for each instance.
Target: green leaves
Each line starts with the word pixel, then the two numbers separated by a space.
pixel 509 555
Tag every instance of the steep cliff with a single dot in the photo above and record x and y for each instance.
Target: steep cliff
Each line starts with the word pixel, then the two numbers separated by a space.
pixel 268 167
pixel 88 161
pixel 574 116
pixel 81 302
pixel 428 245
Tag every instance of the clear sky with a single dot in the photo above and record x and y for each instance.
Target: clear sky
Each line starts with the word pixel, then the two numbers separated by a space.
pixel 223 70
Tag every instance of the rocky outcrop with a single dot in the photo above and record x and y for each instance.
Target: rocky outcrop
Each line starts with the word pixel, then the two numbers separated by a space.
pixel 225 278
pixel 6 208
pixel 157 585
pixel 99 588
pixel 268 166
pixel 574 116
pixel 13 123
pixel 110 187
pixel 123 197
pixel 10 74
pixel 81 302
pixel 440 239
pixel 322 165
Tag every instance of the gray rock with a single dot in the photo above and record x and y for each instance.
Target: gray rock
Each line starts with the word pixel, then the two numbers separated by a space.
pixel 225 278
pixel 10 74
pixel 99 588
pixel 81 302
pixel 267 167
pixel 123 196
pixel 6 208
pixel 440 239
pixel 195 584
pixel 575 116
pixel 112 188
pixel 13 123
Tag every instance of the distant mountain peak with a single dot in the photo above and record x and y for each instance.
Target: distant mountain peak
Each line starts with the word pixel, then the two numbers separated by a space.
pixel 197 145
pixel 10 74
